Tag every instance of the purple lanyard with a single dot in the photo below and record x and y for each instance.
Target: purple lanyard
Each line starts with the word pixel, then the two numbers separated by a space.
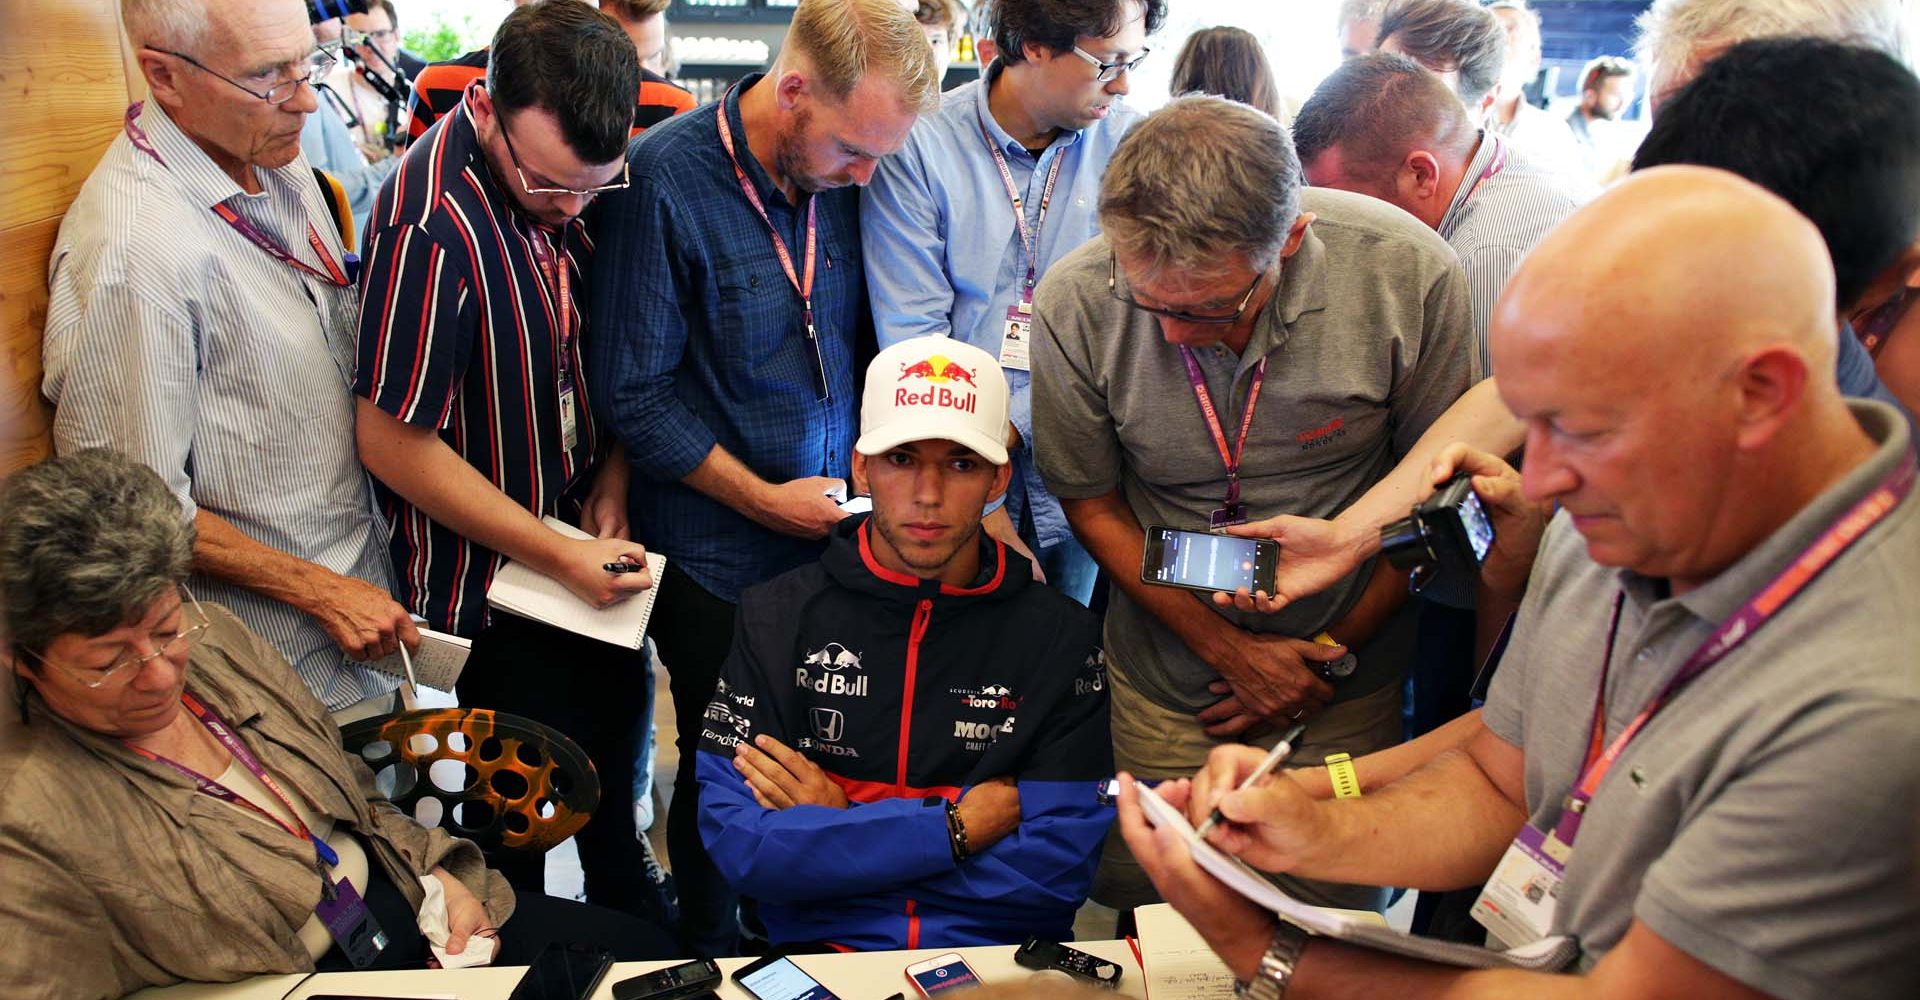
pixel 335 274
pixel 226 737
pixel 1029 238
pixel 1231 459
pixel 1738 628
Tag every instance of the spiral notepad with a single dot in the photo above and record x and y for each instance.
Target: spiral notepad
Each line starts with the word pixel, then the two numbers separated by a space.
pixel 531 594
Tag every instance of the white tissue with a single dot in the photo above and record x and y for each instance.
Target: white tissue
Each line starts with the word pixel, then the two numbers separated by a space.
pixel 433 926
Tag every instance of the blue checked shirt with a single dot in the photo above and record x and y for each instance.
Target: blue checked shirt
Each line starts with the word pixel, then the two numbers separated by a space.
pixel 699 340
pixel 944 256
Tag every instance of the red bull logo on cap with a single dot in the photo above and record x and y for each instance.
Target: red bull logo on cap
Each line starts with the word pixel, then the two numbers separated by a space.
pixel 937 369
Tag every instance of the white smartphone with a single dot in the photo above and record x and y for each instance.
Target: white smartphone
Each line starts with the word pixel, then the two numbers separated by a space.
pixel 942 973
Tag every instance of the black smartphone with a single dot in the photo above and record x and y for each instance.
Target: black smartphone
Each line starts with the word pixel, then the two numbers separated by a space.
pixel 775 977
pixel 564 972
pixel 689 979
pixel 1198 560
pixel 1039 953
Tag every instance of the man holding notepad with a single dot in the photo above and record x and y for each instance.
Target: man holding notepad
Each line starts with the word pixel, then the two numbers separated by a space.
pixel 474 415
pixel 1699 760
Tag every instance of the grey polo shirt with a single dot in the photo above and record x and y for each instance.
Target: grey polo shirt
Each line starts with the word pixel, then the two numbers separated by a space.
pixel 1369 339
pixel 1766 822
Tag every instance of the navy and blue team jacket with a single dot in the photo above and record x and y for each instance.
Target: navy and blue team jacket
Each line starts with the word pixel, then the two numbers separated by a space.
pixel 908 692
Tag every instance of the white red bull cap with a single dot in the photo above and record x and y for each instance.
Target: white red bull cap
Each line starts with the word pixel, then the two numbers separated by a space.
pixel 935 389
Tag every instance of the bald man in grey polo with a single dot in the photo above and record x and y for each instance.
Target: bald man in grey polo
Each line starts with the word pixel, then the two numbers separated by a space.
pixel 1369 338
pixel 1767 821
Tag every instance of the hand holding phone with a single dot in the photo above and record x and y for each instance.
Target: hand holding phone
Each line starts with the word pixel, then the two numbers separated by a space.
pixel 1198 560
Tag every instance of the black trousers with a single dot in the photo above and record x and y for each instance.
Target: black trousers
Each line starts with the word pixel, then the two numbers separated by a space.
pixel 693 630
pixel 538 920
pixel 595 693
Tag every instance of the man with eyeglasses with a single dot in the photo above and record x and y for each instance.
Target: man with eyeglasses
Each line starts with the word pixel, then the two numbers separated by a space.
pixel 200 319
pixel 476 417
pixel 988 193
pixel 1234 346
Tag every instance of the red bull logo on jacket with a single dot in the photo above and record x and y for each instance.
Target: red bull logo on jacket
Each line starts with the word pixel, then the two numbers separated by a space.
pixel 943 392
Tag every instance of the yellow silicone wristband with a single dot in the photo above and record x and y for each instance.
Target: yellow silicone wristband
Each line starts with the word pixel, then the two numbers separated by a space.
pixel 1346 781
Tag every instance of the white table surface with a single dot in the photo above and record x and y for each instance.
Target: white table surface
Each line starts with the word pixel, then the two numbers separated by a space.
pixel 866 976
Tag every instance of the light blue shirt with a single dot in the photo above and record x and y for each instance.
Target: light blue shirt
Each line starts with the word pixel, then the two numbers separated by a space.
pixel 329 146
pixel 944 256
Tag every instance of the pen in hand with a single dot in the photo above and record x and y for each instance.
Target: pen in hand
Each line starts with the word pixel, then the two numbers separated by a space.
pixel 624 567
pixel 1280 752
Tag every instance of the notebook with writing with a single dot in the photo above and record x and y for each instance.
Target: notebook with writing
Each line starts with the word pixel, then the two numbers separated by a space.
pixel 531 594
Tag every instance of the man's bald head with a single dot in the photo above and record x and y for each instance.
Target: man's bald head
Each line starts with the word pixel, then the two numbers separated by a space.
pixel 1671 350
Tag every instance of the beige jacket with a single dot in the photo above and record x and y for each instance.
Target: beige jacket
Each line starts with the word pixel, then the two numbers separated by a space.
pixel 115 874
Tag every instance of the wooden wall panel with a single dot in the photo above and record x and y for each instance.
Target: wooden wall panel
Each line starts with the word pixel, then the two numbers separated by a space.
pixel 63 90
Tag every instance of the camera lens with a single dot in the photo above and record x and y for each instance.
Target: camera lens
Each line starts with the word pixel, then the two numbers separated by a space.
pixel 1405 542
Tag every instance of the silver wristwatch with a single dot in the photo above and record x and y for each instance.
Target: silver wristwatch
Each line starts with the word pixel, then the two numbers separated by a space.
pixel 1276 966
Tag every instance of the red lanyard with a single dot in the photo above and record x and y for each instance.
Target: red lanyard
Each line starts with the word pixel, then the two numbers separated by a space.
pixel 207 786
pixel 1029 238
pixel 802 285
pixel 1738 628
pixel 1231 459
pixel 554 274
pixel 335 274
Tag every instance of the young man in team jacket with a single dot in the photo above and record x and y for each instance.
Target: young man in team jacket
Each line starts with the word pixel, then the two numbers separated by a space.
pixel 907 739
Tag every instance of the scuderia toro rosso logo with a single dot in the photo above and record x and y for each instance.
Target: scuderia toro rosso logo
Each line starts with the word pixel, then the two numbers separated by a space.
pixel 832 669
pixel 943 392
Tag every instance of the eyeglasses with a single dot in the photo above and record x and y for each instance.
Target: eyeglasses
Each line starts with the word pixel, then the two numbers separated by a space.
pixel 625 172
pixel 1203 319
pixel 353 36
pixel 1108 71
pixel 195 624
pixel 320 62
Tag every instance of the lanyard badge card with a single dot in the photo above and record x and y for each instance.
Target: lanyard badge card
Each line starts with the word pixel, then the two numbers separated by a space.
pixel 1016 333
pixel 341 908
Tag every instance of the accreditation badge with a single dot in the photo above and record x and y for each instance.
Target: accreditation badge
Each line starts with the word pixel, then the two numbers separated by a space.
pixel 1518 904
pixel 1016 338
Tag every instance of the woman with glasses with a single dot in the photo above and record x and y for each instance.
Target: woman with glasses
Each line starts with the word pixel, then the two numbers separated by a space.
pixel 174 803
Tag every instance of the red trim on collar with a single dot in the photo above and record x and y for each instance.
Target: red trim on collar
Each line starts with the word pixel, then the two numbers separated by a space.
pixel 946 589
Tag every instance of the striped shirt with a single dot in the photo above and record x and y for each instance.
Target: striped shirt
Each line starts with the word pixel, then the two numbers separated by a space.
pixel 1497 215
pixel 460 332
pixel 437 91
pixel 173 339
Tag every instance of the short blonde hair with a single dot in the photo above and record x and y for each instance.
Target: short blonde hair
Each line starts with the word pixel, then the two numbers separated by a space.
pixel 845 40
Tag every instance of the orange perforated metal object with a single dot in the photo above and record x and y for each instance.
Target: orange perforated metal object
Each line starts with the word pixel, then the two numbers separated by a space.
pixel 523 786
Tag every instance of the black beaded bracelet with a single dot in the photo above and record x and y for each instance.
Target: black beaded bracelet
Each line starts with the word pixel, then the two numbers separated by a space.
pixel 957 833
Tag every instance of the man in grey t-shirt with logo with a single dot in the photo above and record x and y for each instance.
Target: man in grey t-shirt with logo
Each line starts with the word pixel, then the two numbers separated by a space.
pixel 1237 348
pixel 1700 759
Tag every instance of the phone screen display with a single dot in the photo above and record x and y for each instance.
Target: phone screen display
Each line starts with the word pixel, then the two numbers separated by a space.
pixel 952 975
pixel 563 972
pixel 1207 561
pixel 1479 528
pixel 780 979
